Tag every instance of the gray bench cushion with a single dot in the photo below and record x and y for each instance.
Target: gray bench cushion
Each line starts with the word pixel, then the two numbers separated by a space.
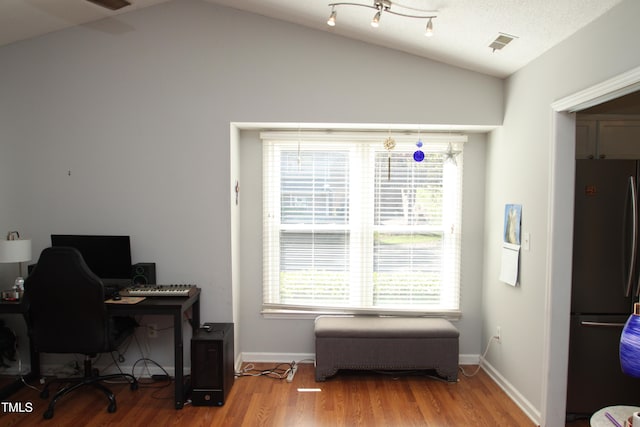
pixel 384 327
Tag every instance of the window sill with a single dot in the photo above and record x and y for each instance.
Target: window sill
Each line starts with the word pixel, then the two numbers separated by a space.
pixel 297 314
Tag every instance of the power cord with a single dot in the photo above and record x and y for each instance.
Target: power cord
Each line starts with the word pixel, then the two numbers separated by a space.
pixel 280 371
pixel 493 338
pixel 154 378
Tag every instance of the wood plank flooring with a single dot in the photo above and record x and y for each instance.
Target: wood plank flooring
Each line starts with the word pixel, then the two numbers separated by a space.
pixel 347 399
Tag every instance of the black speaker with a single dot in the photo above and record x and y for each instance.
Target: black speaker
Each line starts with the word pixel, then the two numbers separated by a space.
pixel 143 273
pixel 212 371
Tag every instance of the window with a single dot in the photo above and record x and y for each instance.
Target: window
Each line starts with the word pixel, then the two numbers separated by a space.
pixel 351 227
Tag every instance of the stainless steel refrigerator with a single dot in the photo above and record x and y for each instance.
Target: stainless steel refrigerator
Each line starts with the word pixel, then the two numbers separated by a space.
pixel 604 283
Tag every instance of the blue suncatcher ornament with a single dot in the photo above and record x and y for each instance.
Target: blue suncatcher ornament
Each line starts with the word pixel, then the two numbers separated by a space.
pixel 418 155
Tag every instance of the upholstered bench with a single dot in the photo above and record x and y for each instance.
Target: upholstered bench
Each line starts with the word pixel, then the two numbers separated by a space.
pixel 385 343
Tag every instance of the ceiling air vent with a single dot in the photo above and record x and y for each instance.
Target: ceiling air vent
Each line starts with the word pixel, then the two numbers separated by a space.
pixel 501 41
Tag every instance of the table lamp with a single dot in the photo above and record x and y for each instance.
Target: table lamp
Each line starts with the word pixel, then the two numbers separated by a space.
pixel 15 249
pixel 630 344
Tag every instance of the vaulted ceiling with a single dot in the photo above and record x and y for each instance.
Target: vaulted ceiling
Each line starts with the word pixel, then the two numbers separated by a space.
pixel 463 29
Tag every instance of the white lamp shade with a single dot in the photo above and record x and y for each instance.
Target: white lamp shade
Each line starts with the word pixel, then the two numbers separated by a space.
pixel 15 250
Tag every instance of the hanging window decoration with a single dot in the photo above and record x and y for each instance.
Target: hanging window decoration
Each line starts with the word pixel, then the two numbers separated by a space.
pixel 450 155
pixel 418 155
pixel 389 144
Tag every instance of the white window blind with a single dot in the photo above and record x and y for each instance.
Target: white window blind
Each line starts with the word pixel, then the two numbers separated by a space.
pixel 351 227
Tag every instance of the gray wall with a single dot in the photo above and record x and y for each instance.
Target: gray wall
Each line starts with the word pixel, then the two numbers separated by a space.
pixel 528 164
pixel 124 127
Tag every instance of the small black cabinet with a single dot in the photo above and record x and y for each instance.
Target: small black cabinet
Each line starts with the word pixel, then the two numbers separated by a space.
pixel 212 367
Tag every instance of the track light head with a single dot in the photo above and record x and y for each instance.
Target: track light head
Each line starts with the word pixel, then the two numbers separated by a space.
pixel 332 18
pixel 429 31
pixel 375 22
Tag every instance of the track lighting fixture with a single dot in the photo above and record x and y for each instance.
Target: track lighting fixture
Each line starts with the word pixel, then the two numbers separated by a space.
pixel 385 6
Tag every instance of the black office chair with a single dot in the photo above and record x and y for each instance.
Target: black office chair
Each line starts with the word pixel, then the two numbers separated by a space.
pixel 67 314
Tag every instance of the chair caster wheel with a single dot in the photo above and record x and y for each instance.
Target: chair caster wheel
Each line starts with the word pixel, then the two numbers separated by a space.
pixel 112 408
pixel 134 386
pixel 48 414
pixel 44 394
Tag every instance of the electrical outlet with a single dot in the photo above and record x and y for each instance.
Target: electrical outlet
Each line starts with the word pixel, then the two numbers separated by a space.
pixel 498 334
pixel 152 330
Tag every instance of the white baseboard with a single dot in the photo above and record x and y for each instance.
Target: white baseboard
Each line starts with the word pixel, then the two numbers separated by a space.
pixel 469 359
pixel 512 392
pixel 277 357
pixel 464 359
pixel 257 357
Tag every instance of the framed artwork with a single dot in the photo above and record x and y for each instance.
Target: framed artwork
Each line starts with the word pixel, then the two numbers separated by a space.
pixel 512 218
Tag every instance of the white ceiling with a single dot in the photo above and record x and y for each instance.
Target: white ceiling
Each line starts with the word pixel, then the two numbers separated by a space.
pixel 463 29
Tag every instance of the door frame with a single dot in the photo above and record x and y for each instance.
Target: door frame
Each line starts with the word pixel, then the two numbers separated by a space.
pixel 560 236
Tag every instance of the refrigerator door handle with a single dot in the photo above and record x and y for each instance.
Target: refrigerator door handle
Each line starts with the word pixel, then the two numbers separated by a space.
pixel 603 324
pixel 631 194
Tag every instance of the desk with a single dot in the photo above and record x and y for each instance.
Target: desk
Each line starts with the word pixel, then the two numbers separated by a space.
pixel 168 306
pixel 164 306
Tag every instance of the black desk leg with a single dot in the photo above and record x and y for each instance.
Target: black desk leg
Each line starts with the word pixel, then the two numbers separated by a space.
pixel 178 359
pixel 195 317
pixel 178 340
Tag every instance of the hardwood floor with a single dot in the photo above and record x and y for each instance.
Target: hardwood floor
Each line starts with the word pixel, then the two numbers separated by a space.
pixel 348 399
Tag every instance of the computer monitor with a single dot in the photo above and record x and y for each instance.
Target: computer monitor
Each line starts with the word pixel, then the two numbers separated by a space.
pixel 109 257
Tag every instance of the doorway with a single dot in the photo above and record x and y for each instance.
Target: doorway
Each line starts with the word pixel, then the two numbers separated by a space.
pixel 560 235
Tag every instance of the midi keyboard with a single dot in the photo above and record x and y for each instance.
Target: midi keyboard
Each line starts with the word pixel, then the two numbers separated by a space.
pixel 160 291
